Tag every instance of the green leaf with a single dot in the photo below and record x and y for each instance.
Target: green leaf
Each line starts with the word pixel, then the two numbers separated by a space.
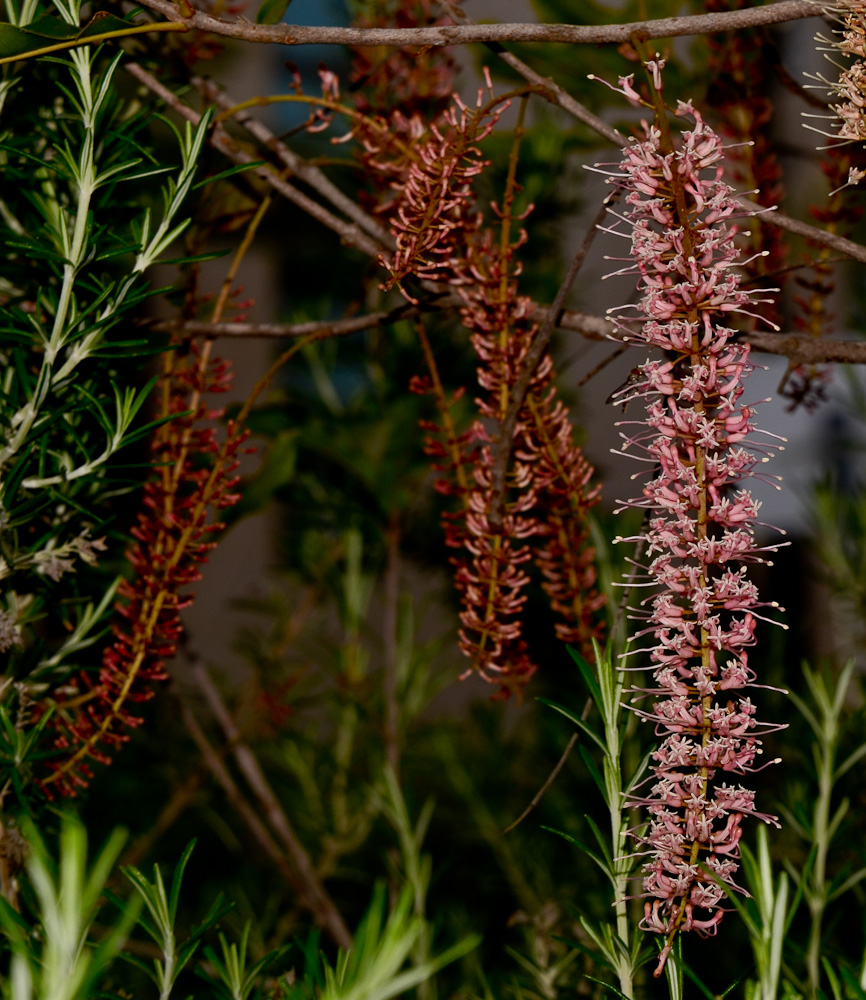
pixel 849 883
pixel 229 172
pixel 177 878
pixel 849 762
pixel 600 838
pixel 594 771
pixel 47 30
pixel 698 982
pixel 587 672
pixel 199 257
pixel 608 986
pixel 272 11
pixel 576 719
pixel 588 851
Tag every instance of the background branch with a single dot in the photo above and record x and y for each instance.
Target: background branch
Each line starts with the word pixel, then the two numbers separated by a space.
pixel 573 34
pixel 350 233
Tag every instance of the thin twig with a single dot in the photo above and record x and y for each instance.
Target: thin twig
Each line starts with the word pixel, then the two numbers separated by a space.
pixel 570 34
pixel 338 930
pixel 299 167
pixel 560 764
pixel 323 907
pixel 332 328
pixel 808 350
pixel 821 236
pixel 390 625
pixel 349 233
pixel 801 349
pixel 603 364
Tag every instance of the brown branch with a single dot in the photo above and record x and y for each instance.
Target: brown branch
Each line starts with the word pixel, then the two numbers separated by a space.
pixel 322 906
pixel 800 349
pixel 332 328
pixel 349 233
pixel 572 34
pixel 299 167
pixel 821 236
pixel 808 350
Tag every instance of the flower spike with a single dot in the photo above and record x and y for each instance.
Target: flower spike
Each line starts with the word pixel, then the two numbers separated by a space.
pixel 700 523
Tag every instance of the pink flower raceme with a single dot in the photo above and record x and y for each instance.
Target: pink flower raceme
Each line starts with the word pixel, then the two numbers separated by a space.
pixel 699 527
pixel 538 513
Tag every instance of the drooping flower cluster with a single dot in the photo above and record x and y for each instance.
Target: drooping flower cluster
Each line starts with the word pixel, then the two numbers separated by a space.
pixel 435 214
pixel 699 534
pixel 537 511
pixel 550 486
pixel 194 478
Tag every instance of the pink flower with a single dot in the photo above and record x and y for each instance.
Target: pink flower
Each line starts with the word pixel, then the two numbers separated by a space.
pixel 700 525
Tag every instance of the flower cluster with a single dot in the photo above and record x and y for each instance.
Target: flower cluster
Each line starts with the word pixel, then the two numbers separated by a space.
pixel 435 214
pixel 849 118
pixel 549 480
pixel 194 476
pixel 851 85
pixel 699 530
pixel 538 513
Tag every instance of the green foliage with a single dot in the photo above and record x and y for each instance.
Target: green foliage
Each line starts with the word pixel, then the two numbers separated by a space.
pixel 52 958
pixel 77 240
pixel 374 968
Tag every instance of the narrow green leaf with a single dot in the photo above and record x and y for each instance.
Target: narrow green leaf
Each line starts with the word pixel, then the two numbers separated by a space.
pixel 693 976
pixel 849 883
pixel 849 762
pixel 608 986
pixel 588 851
pixel 48 30
pixel 576 719
pixel 177 878
pixel 602 840
pixel 587 672
pixel 229 172
pixel 593 770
